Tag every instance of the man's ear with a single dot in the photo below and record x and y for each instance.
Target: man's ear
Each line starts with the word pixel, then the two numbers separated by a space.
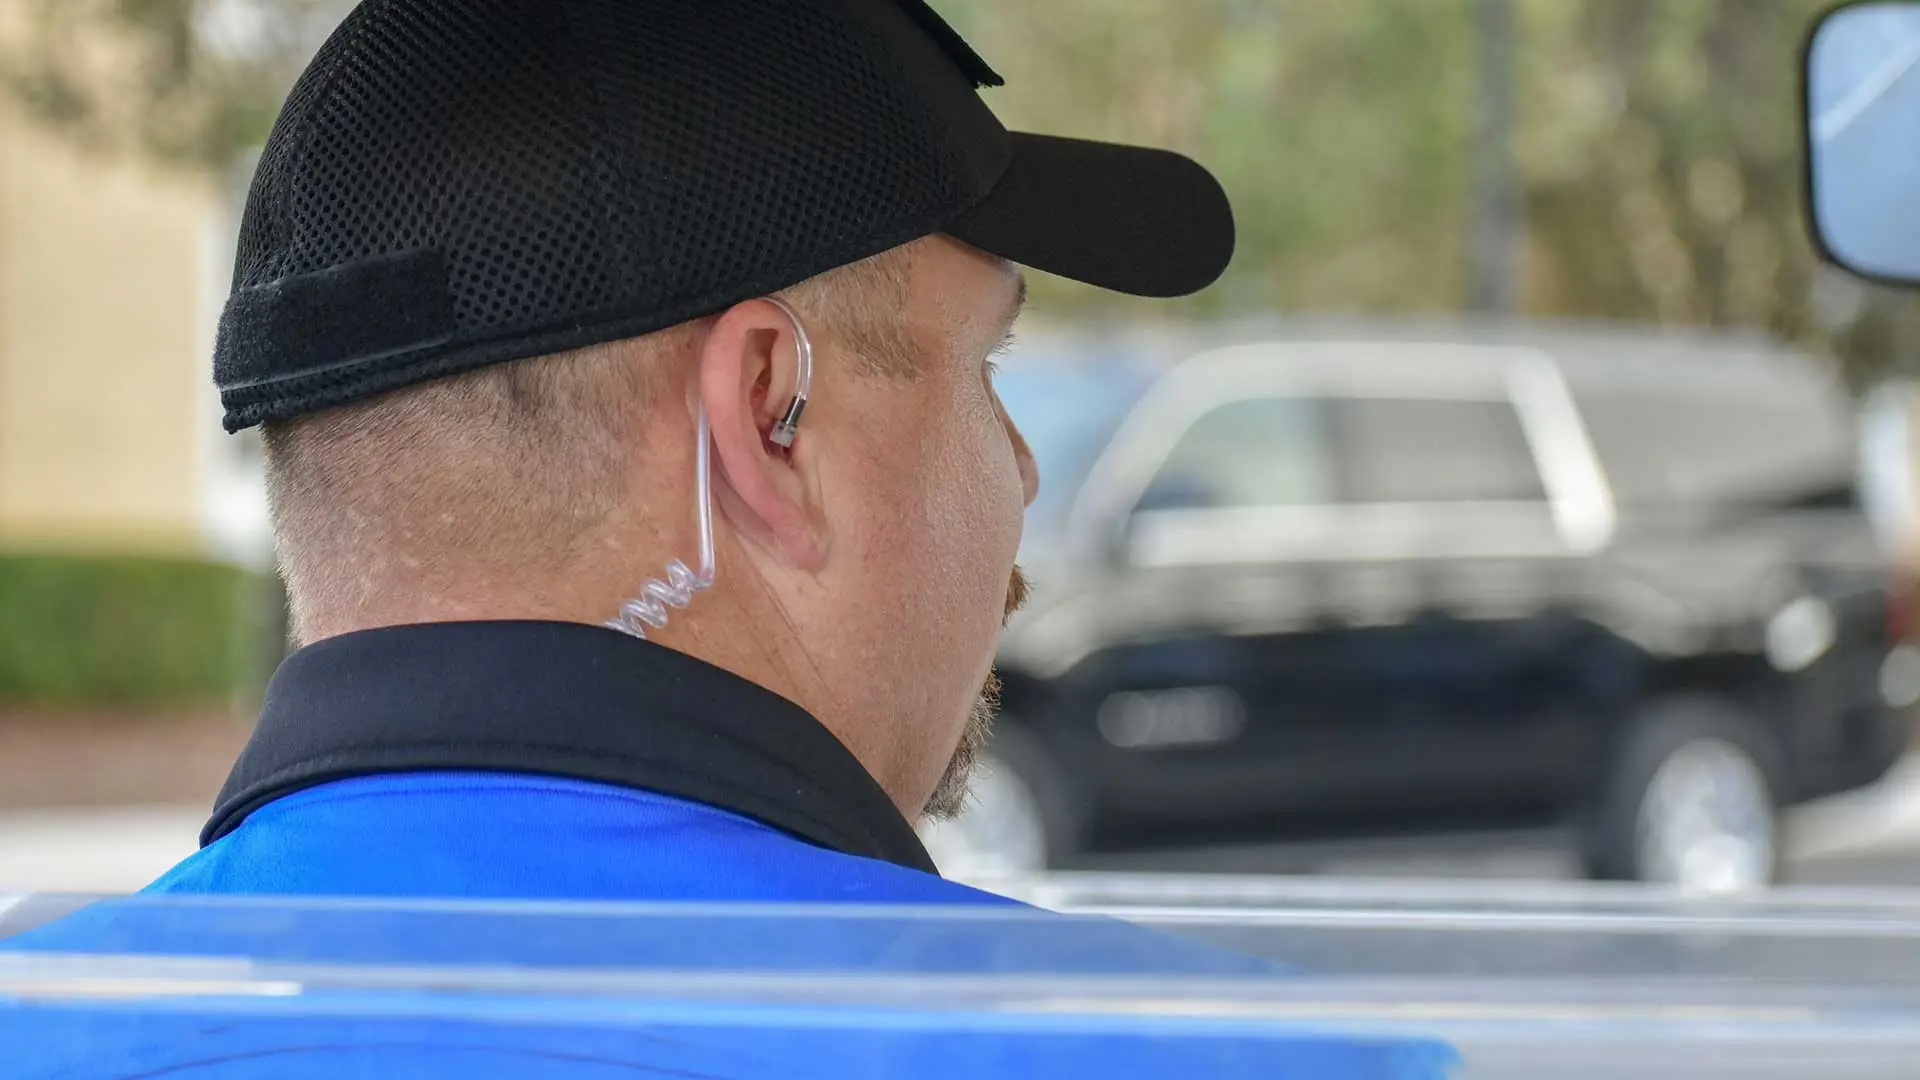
pixel 748 370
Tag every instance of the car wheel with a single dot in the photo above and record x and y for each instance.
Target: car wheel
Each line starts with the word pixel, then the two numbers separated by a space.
pixel 1691 802
pixel 1017 819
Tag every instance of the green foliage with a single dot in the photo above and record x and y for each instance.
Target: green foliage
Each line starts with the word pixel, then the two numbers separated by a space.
pixel 1337 128
pixel 1656 146
pixel 1656 143
pixel 163 77
pixel 1663 160
pixel 127 632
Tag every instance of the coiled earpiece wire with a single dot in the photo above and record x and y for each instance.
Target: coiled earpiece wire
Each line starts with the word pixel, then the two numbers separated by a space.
pixel 650 606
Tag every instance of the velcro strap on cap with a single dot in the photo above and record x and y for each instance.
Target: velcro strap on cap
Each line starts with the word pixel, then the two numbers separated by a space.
pixel 311 324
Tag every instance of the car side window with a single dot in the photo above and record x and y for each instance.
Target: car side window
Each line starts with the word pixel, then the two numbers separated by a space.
pixel 1394 450
pixel 1260 452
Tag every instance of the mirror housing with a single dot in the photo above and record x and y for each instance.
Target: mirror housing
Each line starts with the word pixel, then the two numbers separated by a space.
pixel 1861 92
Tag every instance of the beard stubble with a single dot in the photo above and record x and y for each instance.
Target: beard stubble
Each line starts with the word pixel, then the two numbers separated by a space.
pixel 950 796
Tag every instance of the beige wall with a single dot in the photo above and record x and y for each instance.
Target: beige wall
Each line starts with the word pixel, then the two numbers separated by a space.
pixel 103 366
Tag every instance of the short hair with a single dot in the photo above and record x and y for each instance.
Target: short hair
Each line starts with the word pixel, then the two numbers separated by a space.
pixel 507 469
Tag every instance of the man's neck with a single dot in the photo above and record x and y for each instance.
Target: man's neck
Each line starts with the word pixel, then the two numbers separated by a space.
pixel 739 625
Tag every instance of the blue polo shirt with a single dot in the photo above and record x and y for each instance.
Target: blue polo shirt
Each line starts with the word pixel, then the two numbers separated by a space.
pixel 540 762
pixel 524 836
pixel 688 746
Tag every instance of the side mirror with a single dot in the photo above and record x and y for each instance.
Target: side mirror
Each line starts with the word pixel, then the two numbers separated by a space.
pixel 1862 96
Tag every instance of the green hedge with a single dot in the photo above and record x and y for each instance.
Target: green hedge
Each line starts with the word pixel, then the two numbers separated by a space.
pixel 131 632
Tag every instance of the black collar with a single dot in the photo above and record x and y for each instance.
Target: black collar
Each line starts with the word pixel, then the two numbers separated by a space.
pixel 566 700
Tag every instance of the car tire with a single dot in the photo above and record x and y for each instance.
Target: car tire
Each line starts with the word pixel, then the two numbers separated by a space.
pixel 1691 801
pixel 1020 818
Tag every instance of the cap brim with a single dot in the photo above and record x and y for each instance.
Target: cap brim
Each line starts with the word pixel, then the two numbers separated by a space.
pixel 1127 218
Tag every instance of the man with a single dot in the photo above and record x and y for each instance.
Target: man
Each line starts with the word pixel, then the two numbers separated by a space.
pixel 536 299
pixel 499 258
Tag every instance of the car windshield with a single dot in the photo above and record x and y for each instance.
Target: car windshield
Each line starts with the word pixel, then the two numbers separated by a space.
pixel 1534 497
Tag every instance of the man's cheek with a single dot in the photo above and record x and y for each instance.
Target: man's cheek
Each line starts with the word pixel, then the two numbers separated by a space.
pixel 1013 493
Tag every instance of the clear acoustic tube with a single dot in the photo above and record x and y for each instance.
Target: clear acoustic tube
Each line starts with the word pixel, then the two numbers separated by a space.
pixel 649 608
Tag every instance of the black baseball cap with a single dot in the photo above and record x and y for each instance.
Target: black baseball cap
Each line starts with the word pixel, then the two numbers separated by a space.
pixel 455 183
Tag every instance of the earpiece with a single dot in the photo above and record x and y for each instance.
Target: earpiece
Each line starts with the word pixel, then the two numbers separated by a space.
pixel 789 425
pixel 649 607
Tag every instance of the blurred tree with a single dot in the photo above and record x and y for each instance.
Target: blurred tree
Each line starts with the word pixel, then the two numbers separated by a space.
pixel 1497 225
pixel 1658 152
pixel 192 81
pixel 1657 160
pixel 1661 149
pixel 1339 129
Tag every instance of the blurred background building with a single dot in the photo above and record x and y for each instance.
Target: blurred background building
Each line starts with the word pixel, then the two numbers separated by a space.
pixel 111 274
pixel 132 532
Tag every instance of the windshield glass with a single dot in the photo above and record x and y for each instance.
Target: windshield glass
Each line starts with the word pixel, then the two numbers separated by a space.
pixel 1496 512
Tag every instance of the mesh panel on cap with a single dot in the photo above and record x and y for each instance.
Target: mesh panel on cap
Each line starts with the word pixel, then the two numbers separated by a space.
pixel 809 157
pixel 458 126
pixel 263 245
pixel 590 169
